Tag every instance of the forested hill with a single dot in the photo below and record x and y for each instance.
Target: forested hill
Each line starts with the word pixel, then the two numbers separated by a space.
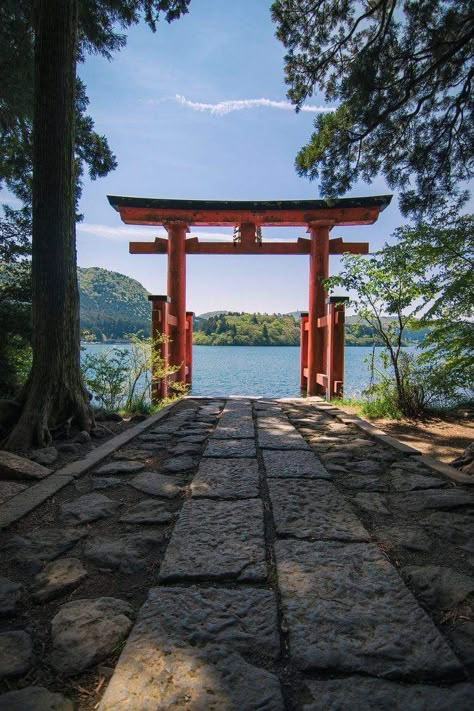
pixel 112 304
pixel 242 329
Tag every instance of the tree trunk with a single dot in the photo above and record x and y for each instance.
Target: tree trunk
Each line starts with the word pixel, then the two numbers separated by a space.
pixel 54 392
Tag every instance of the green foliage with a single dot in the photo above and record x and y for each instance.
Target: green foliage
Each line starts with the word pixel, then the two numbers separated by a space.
pixel 401 76
pixel 388 284
pixel 120 378
pixel 241 329
pixel 445 249
pixel 101 26
pixel 427 274
pixel 15 326
pixel 112 304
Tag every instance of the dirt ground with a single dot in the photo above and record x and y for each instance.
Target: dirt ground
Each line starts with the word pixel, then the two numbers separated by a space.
pixel 442 438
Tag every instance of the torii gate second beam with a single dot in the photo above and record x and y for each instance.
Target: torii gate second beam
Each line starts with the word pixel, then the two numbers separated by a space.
pixel 321 342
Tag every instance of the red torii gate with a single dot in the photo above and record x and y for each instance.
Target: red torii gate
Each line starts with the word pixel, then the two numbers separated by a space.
pixel 322 327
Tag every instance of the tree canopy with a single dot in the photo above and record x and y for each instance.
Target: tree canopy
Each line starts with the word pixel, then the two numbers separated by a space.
pixel 101 31
pixel 400 74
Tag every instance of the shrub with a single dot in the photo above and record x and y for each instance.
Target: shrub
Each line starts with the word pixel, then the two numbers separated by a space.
pixel 120 378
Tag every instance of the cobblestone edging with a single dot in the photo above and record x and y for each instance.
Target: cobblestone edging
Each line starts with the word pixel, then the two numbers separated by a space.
pixel 18 506
pixel 380 436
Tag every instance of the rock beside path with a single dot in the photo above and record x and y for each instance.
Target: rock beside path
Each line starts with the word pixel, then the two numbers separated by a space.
pixel 126 553
pixel 157 484
pixel 410 537
pixel 149 511
pixel 45 456
pixel 441 499
pixel 16 652
pixel 33 550
pixel 34 698
pixel 405 481
pixel 176 465
pixel 121 467
pixel 19 468
pixel 133 454
pixel 10 593
pixel 439 587
pixel 58 577
pixel 85 632
pixel 88 508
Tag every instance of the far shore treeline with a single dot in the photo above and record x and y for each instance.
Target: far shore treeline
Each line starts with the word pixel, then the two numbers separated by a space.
pixel 114 305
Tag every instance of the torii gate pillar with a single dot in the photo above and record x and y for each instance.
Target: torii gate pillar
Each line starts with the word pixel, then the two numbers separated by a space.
pixel 318 270
pixel 177 293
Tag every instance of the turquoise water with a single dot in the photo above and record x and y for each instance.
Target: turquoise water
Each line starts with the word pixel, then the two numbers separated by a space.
pixel 268 371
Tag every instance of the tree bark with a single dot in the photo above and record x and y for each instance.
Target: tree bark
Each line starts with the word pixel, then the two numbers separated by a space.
pixel 54 392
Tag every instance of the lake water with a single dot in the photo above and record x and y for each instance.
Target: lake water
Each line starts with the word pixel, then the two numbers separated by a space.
pixel 268 371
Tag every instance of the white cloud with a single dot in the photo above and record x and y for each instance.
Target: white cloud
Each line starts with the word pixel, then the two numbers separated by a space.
pixel 123 233
pixel 226 107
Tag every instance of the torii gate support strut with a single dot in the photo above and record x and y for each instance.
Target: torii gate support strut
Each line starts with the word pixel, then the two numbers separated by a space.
pixel 322 328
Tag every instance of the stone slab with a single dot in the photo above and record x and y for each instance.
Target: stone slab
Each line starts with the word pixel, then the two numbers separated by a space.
pixel 278 422
pixel 294 465
pixel 121 467
pixel 85 632
pixel 372 503
pixel 19 468
pixel 234 448
pixel 226 479
pixel 217 540
pixel 58 577
pixel 126 553
pixel 453 527
pixel 148 511
pixel 314 510
pixel 405 481
pixel 185 448
pixel 438 499
pixel 379 695
pixel 409 537
pixel 87 508
pixel 348 610
pixel 275 439
pixel 133 454
pixel 32 551
pixel 157 484
pixel 361 482
pixel 236 422
pixel 185 652
pixel 176 465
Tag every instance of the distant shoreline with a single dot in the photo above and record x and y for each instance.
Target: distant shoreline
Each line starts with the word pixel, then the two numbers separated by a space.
pixel 242 345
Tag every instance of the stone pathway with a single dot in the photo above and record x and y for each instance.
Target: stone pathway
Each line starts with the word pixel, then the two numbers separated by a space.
pixel 243 555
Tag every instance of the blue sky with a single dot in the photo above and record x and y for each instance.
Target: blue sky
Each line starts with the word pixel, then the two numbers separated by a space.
pixel 165 104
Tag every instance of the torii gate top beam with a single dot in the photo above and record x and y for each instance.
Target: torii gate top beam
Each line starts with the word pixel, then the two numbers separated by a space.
pixel 219 213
